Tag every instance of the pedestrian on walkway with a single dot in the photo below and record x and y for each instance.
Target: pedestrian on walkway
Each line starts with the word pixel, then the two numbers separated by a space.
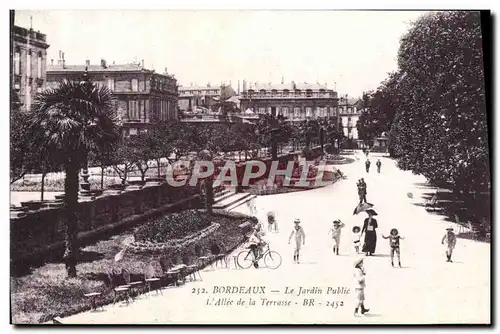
pixel 379 165
pixel 335 231
pixel 300 239
pixel 359 286
pixel 271 222
pixel 449 240
pixel 394 238
pixel 367 165
pixel 369 230
pixel 356 238
pixel 362 190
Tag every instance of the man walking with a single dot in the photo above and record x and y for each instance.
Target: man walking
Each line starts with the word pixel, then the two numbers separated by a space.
pixel 362 190
pixel 379 164
pixel 300 239
pixel 367 165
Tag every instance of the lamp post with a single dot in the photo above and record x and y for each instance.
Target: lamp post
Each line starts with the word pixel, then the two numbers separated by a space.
pixel 84 183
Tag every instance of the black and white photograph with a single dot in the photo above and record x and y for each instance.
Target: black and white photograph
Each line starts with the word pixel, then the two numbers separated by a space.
pixel 250 167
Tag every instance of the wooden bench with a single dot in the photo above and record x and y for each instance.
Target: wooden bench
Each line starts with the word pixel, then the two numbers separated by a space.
pixel 431 203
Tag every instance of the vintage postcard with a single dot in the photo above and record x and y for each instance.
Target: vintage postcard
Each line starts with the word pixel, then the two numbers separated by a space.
pixel 250 167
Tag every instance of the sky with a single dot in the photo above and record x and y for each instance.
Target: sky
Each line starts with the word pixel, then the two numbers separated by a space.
pixel 350 51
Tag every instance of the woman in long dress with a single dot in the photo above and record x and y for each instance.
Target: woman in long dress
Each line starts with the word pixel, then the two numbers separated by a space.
pixel 369 229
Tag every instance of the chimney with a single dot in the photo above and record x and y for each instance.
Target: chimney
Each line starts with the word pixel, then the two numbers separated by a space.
pixel 142 63
pixel 103 63
pixel 52 62
pixel 166 71
pixel 87 62
pixel 208 84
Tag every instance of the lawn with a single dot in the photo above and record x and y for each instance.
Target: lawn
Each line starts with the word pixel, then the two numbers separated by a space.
pixel 46 293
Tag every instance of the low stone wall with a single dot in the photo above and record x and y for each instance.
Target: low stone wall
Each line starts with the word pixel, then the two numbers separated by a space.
pixel 37 232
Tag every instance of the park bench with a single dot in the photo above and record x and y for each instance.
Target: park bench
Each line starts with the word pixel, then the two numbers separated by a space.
pixel 431 203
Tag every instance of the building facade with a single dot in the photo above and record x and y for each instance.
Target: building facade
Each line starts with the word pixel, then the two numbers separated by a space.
pixel 143 96
pixel 193 97
pixel 29 64
pixel 349 111
pixel 295 101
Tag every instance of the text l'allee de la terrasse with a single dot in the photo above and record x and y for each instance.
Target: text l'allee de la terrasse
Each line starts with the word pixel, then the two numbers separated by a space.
pixel 263 296
pixel 253 170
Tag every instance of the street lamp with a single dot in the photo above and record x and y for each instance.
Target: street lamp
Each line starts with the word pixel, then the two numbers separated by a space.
pixel 84 183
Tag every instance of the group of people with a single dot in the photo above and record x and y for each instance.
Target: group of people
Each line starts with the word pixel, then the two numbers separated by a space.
pixel 368 164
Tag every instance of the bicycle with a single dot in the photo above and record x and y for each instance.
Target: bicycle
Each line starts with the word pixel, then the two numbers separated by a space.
pixel 272 259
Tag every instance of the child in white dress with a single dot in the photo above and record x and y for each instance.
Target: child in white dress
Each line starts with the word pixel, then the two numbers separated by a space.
pixel 356 238
pixel 335 231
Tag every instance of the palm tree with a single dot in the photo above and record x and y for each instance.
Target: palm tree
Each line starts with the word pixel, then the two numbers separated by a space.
pixel 72 120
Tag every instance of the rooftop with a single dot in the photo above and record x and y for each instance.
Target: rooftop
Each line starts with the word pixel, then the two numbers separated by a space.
pixel 289 86
pixel 186 88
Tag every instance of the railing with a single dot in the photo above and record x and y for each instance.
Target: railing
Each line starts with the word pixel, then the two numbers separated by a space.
pixel 290 96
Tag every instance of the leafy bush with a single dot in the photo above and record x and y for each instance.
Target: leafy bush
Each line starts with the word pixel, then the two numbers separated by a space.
pixel 172 226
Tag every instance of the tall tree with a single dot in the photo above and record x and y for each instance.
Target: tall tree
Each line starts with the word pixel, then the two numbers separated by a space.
pixel 440 128
pixel 273 130
pixel 71 120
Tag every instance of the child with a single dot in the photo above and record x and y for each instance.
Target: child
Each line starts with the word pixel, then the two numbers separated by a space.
pixel 449 240
pixel 356 238
pixel 394 238
pixel 336 231
pixel 256 243
pixel 359 280
pixel 300 238
pixel 271 222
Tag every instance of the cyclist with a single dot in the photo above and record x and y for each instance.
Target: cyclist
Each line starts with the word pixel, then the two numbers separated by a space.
pixel 256 244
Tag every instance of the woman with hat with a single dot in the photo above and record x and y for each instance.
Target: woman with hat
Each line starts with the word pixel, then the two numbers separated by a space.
pixel 359 286
pixel 449 240
pixel 369 229
pixel 300 239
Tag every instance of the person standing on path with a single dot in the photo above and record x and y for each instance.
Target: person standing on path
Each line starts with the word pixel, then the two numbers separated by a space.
pixel 369 230
pixel 449 240
pixel 300 239
pixel 367 165
pixel 359 287
pixel 362 190
pixel 379 165
pixel 335 231
pixel 394 238
pixel 356 238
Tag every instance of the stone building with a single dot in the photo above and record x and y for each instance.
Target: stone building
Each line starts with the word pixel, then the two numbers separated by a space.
pixel 29 54
pixel 349 111
pixel 295 101
pixel 143 96
pixel 193 97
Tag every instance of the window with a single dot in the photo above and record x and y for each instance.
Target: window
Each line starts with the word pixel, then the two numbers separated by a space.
pixel 111 84
pixel 262 92
pixel 296 112
pixel 286 92
pixel 39 66
pixel 262 110
pixel 340 110
pixel 274 92
pixel 142 86
pixel 332 111
pixel 133 110
pixel 285 112
pixel 309 93
pixel 269 110
pixel 28 97
pixel 308 111
pixel 17 61
pixel 349 110
pixel 28 64
pixel 135 85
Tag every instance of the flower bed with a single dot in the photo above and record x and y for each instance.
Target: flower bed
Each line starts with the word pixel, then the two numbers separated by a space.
pixel 174 245
pixel 46 293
